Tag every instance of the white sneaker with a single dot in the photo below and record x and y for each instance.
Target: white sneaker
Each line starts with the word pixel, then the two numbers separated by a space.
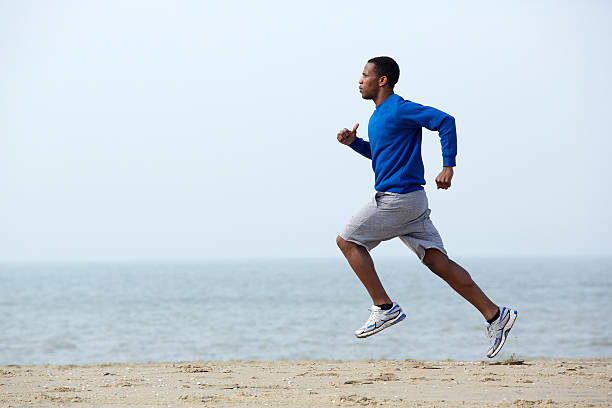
pixel 380 319
pixel 498 330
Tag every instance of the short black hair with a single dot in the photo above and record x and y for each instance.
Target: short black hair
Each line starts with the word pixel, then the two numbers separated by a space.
pixel 386 66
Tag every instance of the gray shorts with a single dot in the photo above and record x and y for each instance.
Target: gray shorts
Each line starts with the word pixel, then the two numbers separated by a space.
pixel 391 215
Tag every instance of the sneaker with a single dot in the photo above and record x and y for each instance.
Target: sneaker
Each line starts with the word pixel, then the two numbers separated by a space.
pixel 380 319
pixel 498 330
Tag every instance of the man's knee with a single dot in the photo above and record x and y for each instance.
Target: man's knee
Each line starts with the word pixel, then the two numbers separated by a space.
pixel 435 260
pixel 344 245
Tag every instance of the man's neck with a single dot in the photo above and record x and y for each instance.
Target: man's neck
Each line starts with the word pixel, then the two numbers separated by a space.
pixel 382 96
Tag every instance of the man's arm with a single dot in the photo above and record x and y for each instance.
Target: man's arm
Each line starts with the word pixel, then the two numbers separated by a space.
pixel 362 147
pixel 349 138
pixel 441 122
pixel 434 120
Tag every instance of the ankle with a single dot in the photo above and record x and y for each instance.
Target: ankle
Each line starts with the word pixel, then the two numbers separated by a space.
pixel 382 301
pixel 494 315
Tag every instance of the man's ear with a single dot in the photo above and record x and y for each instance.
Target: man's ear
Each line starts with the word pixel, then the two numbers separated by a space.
pixel 382 81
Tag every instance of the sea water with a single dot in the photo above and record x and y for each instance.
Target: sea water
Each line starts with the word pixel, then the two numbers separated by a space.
pixel 61 313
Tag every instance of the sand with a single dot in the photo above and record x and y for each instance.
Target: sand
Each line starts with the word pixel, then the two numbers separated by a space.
pixel 312 383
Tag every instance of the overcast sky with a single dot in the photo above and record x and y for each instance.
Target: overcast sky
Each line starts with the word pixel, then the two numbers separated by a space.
pixel 192 129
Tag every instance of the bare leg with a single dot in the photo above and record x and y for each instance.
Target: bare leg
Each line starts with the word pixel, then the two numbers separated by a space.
pixel 460 280
pixel 360 260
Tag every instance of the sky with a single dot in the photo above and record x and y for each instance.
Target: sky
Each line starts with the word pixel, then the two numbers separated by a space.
pixel 135 130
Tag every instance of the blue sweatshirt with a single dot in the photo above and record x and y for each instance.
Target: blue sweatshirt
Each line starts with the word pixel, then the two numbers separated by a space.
pixel 395 133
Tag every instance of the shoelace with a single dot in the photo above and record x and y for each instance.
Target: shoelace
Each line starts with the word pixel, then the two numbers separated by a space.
pixel 373 315
pixel 492 332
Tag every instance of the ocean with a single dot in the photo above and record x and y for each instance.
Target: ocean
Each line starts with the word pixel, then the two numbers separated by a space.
pixel 78 313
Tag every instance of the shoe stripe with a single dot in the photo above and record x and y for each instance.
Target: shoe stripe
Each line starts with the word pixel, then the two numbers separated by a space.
pixel 383 321
pixel 392 309
pixel 391 318
pixel 388 323
pixel 501 315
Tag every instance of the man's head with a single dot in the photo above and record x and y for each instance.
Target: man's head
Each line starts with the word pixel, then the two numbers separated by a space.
pixel 380 74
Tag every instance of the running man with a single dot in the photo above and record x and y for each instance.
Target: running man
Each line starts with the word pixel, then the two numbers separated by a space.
pixel 399 207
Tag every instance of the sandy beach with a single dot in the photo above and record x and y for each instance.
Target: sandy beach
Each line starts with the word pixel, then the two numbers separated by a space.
pixel 312 383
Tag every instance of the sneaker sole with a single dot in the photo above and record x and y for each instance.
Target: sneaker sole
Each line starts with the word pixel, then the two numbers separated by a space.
pixel 384 326
pixel 507 328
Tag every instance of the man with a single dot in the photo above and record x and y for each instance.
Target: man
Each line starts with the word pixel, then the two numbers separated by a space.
pixel 399 207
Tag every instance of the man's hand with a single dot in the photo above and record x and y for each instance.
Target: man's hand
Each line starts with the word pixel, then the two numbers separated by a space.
pixel 346 136
pixel 444 178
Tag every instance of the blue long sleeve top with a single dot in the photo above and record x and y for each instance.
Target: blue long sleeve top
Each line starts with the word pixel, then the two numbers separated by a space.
pixel 395 134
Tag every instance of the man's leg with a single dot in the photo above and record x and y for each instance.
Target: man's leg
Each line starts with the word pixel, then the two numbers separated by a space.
pixel 360 260
pixel 460 280
pixel 384 313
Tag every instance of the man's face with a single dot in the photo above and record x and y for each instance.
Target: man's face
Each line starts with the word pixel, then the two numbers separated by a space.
pixel 368 83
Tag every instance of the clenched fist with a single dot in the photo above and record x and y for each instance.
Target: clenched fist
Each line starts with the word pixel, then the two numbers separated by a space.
pixel 346 136
pixel 443 180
